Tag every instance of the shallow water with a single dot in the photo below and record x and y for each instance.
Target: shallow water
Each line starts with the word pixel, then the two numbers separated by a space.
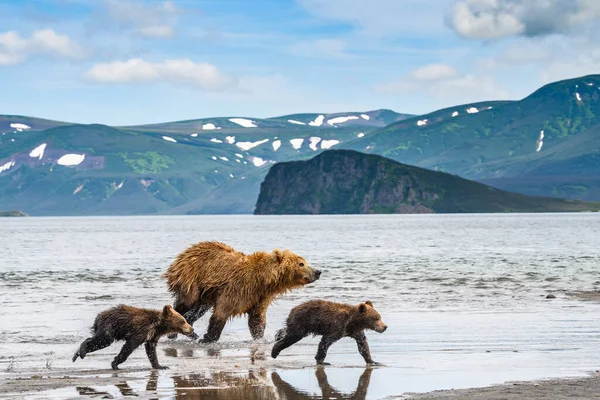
pixel 463 296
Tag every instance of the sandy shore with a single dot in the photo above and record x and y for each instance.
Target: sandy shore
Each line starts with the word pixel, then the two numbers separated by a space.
pixel 555 389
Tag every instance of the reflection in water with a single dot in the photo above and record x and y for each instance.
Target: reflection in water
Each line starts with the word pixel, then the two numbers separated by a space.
pixel 256 353
pixel 91 392
pixel 288 392
pixel 251 385
pixel 254 385
pixel 152 381
pixel 224 385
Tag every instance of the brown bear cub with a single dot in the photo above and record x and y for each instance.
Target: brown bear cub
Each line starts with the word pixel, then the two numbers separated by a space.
pixel 333 321
pixel 213 275
pixel 135 326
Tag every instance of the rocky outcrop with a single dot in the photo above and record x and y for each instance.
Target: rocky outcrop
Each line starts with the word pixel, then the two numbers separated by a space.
pixel 350 182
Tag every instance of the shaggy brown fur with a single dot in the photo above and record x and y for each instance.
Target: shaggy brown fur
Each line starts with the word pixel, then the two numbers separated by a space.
pixel 333 321
pixel 213 275
pixel 135 326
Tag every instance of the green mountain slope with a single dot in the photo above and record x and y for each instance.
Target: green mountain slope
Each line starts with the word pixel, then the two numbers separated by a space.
pixel 350 182
pixel 20 123
pixel 547 144
pixel 202 166
pixel 551 135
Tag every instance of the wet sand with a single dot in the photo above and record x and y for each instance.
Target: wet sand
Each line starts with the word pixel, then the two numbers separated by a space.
pixel 257 383
pixel 555 389
pixel 247 372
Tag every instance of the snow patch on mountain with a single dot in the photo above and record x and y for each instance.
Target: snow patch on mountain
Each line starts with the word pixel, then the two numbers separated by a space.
pixel 341 120
pixel 38 152
pixel 326 144
pixel 249 145
pixel 314 141
pixel 296 143
pixel 317 121
pixel 246 123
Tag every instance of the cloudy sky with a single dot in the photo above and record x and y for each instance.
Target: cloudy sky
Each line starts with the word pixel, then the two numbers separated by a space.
pixel 127 62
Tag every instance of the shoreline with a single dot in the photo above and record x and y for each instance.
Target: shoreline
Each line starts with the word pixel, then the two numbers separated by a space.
pixel 266 381
pixel 581 388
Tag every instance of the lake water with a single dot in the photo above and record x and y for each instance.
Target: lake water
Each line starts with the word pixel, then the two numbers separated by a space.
pixel 464 297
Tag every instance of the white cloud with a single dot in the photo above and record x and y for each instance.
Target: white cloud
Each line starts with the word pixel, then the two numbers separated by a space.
pixel 434 72
pixel 15 49
pixel 180 71
pixel 321 48
pixel 495 19
pixel 154 20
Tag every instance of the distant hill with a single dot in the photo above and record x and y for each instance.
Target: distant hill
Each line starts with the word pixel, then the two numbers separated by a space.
pixel 212 165
pixel 350 182
pixel 14 213
pixel 548 143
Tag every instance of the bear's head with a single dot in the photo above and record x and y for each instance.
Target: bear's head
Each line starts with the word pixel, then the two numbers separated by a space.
pixel 174 322
pixel 366 317
pixel 295 269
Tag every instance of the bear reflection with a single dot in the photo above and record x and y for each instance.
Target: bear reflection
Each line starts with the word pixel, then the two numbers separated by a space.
pixel 255 385
pixel 288 392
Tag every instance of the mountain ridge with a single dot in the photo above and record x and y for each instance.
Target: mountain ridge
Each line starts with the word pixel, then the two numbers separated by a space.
pixel 215 165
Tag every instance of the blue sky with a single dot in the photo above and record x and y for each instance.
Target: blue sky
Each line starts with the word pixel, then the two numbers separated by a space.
pixel 127 62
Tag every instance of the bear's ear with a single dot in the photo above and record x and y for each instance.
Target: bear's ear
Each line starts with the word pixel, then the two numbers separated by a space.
pixel 362 308
pixel 167 310
pixel 369 303
pixel 278 255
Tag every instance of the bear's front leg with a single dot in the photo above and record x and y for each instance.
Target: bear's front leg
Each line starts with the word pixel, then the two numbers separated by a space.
pixel 324 344
pixel 257 320
pixel 215 327
pixel 151 353
pixel 363 348
pixel 128 348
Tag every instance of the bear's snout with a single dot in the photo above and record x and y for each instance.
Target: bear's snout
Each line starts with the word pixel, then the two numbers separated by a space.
pixel 317 274
pixel 187 329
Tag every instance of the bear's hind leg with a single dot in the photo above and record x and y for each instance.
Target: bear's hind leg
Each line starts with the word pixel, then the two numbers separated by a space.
pixel 280 334
pixel 89 345
pixel 196 313
pixel 285 342
pixel 324 344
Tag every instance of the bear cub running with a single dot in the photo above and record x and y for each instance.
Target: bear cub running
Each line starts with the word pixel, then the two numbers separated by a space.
pixel 135 326
pixel 333 321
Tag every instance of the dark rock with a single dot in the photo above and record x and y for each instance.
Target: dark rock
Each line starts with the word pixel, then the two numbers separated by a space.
pixel 350 182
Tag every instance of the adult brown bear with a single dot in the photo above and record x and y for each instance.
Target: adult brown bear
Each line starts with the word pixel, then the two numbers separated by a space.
pixel 213 275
